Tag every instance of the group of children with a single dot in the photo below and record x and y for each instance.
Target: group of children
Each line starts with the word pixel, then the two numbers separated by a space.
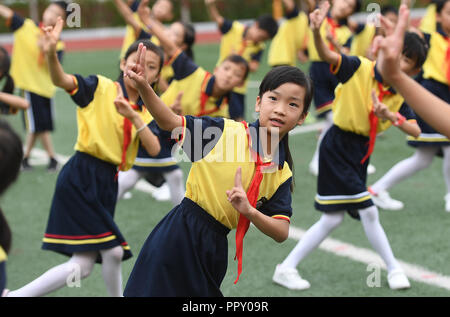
pixel 241 172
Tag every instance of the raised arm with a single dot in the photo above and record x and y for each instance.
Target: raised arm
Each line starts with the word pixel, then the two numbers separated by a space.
pixel 57 74
pixel 214 13
pixel 127 14
pixel 6 12
pixel 156 28
pixel 164 116
pixel 316 19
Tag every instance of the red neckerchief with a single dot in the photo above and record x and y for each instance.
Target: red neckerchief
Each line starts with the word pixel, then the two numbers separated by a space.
pixel 252 196
pixel 373 120
pixel 204 98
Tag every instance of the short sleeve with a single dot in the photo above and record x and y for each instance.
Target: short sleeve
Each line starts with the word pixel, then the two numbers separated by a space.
pixel 279 205
pixel 293 14
pixel 236 105
pixel 226 26
pixel 257 56
pixel 407 112
pixel 143 35
pixel 346 67
pixel 15 22
pixel 86 87
pixel 134 5
pixel 199 135
pixel 183 66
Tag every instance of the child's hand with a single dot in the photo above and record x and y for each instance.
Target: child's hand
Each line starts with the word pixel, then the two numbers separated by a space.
pixel 137 71
pixel 51 37
pixel 176 106
pixel 144 11
pixel 123 107
pixel 317 16
pixel 237 195
pixel 210 2
pixel 381 110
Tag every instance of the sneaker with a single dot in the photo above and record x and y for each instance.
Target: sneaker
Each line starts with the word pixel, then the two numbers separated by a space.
pixel 398 280
pixel 289 278
pixel 53 165
pixel 314 168
pixel 384 200
pixel 26 165
pixel 162 193
pixel 447 202
pixel 371 169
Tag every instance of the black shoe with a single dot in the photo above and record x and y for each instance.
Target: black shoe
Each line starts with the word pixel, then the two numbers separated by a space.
pixel 53 165
pixel 25 165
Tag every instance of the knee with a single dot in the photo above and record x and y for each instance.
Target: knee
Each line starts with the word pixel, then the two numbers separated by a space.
pixel 332 221
pixel 112 255
pixel 369 214
pixel 83 265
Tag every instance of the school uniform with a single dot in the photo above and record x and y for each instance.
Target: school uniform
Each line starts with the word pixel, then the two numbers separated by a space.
pixel 3 258
pixel 292 36
pixel 436 79
pixel 345 150
pixel 362 39
pixel 27 58
pixel 233 42
pixel 428 21
pixel 194 233
pixel 319 71
pixel 82 210
pixel 196 84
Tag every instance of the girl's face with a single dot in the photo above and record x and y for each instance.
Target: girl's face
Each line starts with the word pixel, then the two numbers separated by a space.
pixel 343 8
pixel 408 66
pixel 444 17
pixel 51 14
pixel 152 62
pixel 256 34
pixel 229 75
pixel 162 10
pixel 281 109
pixel 176 33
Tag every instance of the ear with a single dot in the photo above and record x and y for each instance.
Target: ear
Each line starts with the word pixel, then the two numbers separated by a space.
pixel 123 62
pixel 302 118
pixel 258 104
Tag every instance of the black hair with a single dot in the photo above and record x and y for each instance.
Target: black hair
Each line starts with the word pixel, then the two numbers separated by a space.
pixel 62 4
pixel 238 59
pixel 288 74
pixel 5 66
pixel 188 38
pixel 358 5
pixel 11 154
pixel 440 5
pixel 267 23
pixel 150 46
pixel 415 48
pixel 388 9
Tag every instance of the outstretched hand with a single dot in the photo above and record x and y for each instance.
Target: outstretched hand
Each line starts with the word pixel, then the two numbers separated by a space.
pixel 237 195
pixel 317 16
pixel 137 71
pixel 51 36
pixel 123 107
pixel 380 109
pixel 144 11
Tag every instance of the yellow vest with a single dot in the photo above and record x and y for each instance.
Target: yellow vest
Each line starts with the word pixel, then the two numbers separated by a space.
pixel 100 126
pixel 210 177
pixel 28 66
pixel 292 36
pixel 436 65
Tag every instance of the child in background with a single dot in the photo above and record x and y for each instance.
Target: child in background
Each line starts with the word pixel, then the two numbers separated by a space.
pixel 340 33
pixel 436 79
pixel 11 154
pixel 428 21
pixel 345 152
pixel 28 58
pixel 246 41
pixel 291 38
pixel 195 232
pixel 111 122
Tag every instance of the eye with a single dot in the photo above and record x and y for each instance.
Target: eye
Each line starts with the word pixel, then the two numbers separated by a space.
pixel 273 98
pixel 293 105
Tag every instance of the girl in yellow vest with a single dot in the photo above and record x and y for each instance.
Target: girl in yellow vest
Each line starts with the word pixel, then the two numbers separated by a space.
pixel 10 161
pixel 111 122
pixel 240 174
pixel 30 74
pixel 363 106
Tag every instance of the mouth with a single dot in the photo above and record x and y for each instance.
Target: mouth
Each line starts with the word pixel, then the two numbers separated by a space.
pixel 276 122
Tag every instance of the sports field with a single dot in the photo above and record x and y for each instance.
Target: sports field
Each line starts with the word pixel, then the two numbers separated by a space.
pixel 419 234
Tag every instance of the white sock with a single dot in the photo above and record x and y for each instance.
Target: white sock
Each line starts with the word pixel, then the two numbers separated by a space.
pixel 127 180
pixel 446 166
pixel 176 185
pixel 377 237
pixel 80 265
pixel 112 270
pixel 420 160
pixel 328 123
pixel 313 237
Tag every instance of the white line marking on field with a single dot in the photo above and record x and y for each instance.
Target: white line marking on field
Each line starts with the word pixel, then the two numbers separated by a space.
pixel 333 246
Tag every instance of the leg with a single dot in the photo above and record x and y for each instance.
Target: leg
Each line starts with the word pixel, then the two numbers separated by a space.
pixel 111 270
pixel 176 185
pixel 47 143
pixel 328 123
pixel 80 264
pixel 127 180
pixel 29 143
pixel 446 172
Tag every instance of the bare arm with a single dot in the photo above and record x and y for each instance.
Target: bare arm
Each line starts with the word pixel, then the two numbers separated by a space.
pixel 57 74
pixel 14 101
pixel 6 12
pixel 317 17
pixel 127 14
pixel 214 13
